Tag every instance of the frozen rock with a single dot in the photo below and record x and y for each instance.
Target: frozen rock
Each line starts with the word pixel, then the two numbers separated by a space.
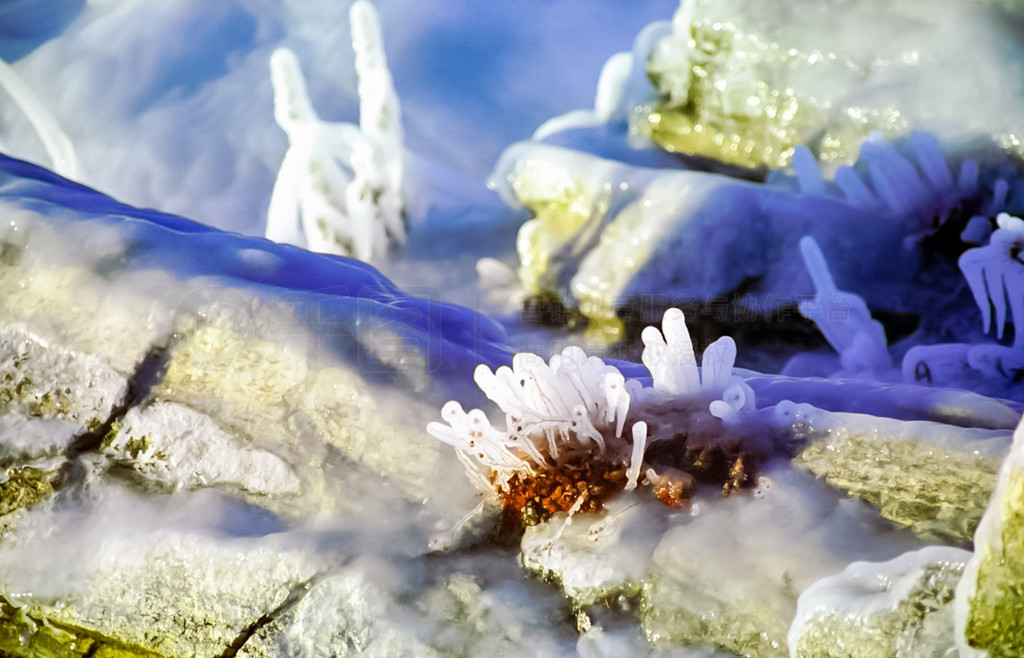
pixel 49 382
pixel 989 600
pixel 729 577
pixel 64 283
pixel 148 576
pixel 174 447
pixel 343 614
pixel 903 607
pixel 285 403
pixel 597 558
pixel 605 232
pixel 746 86
pixel 932 478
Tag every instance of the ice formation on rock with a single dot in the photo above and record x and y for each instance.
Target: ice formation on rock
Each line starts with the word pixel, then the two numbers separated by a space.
pixel 843 317
pixel 577 405
pixel 339 189
pixel 995 274
pixel 668 355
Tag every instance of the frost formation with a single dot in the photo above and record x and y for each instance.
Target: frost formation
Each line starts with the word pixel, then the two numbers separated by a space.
pixel 339 189
pixel 574 403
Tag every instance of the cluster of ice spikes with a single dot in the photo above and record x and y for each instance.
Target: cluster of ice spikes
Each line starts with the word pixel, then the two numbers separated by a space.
pixel 339 189
pixel 995 274
pixel 574 404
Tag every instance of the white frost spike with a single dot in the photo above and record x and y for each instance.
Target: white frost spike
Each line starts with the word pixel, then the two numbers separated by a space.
pixel 736 398
pixel 339 189
pixel 968 180
pixel 894 178
pixel 674 371
pixel 636 458
pixel 717 363
pixel 995 274
pixel 379 112
pixel 857 193
pixel 617 399
pixel 570 403
pixel 57 144
pixel 843 318
pixel 932 161
pixel 808 174
pixel 380 116
pixel 668 355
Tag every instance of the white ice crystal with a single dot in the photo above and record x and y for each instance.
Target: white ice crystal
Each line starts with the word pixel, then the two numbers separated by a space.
pixel 668 355
pixel 995 274
pixel 339 189
pixel 570 403
pixel 843 317
pixel 575 403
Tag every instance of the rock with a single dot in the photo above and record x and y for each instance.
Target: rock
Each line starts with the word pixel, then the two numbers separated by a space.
pixel 605 233
pixel 155 578
pixel 597 558
pixel 903 607
pixel 287 404
pixel 989 599
pixel 933 478
pixel 173 447
pixel 746 86
pixel 43 381
pixel 730 576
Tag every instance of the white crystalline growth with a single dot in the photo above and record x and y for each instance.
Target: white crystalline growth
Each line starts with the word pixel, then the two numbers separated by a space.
pixel 575 403
pixel 339 189
pixel 668 355
pixel 843 317
pixel 995 274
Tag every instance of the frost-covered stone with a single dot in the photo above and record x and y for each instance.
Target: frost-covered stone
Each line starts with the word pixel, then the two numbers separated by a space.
pixel 342 614
pixel 596 558
pixel 148 575
pixel 729 577
pixel 903 607
pixel 605 233
pixel 64 283
pixel 989 600
pixel 272 393
pixel 932 478
pixel 39 380
pixel 746 85
pixel 175 447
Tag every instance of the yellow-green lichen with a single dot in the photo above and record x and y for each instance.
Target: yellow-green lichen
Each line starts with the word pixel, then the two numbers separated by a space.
pixel 995 619
pixel 560 211
pixel 27 633
pixel 938 493
pixel 674 614
pixel 737 109
pixel 25 486
pixel 893 632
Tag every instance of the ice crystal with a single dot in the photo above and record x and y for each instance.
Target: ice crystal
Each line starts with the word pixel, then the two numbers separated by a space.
pixel 57 144
pixel 552 410
pixel 573 408
pixel 995 274
pixel 339 189
pixel 668 355
pixel 844 318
